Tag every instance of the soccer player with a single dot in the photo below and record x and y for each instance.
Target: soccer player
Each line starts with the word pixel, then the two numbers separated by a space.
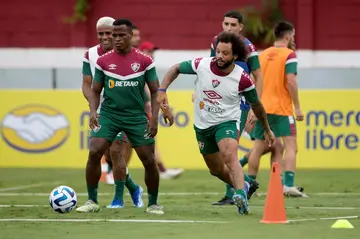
pixel 104 31
pixel 280 95
pixel 233 22
pixel 122 74
pixel 135 39
pixel 217 98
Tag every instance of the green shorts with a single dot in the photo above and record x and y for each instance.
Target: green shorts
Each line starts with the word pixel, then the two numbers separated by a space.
pixel 114 128
pixel 209 138
pixel 243 118
pixel 281 126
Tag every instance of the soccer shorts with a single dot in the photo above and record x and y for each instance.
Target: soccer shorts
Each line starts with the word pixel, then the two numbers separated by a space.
pixel 281 126
pixel 210 137
pixel 134 127
pixel 243 118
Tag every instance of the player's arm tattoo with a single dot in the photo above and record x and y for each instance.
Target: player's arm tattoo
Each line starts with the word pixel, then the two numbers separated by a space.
pixel 95 95
pixel 153 87
pixel 86 86
pixel 257 107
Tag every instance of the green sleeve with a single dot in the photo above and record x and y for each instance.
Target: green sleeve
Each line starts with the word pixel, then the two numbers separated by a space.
pixel 186 68
pixel 212 52
pixel 150 74
pixel 291 68
pixel 254 63
pixel 99 76
pixel 251 96
pixel 86 69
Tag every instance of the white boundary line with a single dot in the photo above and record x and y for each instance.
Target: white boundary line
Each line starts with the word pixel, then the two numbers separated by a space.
pixel 103 220
pixel 255 206
pixel 324 218
pixel 26 187
pixel 5 194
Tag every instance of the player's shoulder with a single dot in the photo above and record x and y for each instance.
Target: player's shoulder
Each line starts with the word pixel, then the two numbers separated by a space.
pixel 105 57
pixel 144 59
pixel 249 44
pixel 86 56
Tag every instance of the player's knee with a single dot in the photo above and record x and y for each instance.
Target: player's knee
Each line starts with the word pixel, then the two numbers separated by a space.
pixel 116 147
pixel 95 154
pixel 226 156
pixel 291 145
pixel 278 147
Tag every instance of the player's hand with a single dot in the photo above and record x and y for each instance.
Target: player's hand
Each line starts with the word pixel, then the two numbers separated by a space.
pixel 249 126
pixel 162 100
pixel 269 137
pixel 168 117
pixel 251 119
pixel 152 128
pixel 94 123
pixel 299 115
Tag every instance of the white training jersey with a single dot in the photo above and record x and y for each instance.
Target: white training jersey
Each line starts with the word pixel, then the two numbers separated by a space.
pixel 93 57
pixel 217 96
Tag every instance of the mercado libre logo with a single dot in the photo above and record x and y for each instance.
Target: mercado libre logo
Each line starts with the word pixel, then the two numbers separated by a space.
pixel 35 128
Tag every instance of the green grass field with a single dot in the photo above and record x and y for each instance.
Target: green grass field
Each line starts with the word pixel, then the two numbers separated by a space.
pixel 24 195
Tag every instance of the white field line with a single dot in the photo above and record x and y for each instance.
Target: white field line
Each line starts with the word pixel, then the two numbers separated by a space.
pixel 255 206
pixel 37 185
pixel 4 194
pixel 324 218
pixel 103 220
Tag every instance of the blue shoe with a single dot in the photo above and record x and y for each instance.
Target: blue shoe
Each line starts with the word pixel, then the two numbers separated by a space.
pixel 136 197
pixel 116 203
pixel 242 203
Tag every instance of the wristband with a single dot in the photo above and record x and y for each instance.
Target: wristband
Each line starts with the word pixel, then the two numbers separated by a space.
pixel 162 89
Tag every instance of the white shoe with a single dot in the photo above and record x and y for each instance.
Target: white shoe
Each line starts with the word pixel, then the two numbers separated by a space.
pixel 171 173
pixel 155 209
pixel 293 192
pixel 110 178
pixel 89 206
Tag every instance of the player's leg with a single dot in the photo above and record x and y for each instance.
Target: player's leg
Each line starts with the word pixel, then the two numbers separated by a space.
pixel 119 171
pixel 109 173
pixel 286 128
pixel 227 140
pixel 145 149
pixel 99 143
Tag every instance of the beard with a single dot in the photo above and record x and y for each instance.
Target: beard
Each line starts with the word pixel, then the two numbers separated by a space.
pixel 225 65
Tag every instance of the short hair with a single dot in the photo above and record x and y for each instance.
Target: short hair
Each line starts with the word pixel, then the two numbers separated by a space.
pixel 123 21
pixel 281 28
pixel 234 14
pixel 105 22
pixel 134 27
pixel 237 45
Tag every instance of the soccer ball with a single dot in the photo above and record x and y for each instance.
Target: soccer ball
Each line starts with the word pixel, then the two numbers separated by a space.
pixel 63 199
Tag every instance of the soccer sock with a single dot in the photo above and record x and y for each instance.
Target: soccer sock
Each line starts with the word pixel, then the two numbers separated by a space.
pixel 243 161
pixel 241 192
pixel 130 184
pixel 248 178
pixel 229 191
pixel 119 190
pixel 253 177
pixel 152 198
pixel 289 178
pixel 161 167
pixel 93 192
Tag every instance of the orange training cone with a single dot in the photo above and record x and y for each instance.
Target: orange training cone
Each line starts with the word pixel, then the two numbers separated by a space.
pixel 274 210
pixel 104 169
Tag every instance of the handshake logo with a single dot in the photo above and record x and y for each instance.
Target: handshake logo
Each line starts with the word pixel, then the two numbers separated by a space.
pixel 35 129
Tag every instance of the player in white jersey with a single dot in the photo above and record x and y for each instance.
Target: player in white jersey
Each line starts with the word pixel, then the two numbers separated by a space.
pixel 114 154
pixel 218 89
